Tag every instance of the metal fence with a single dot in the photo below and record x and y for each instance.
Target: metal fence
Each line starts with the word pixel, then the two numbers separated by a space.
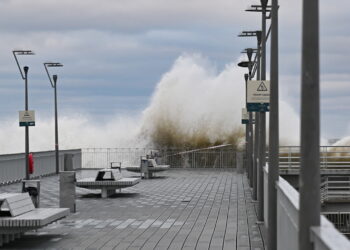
pixel 325 236
pixel 102 157
pixel 213 157
pixel 335 157
pixel 341 220
pixel 12 166
pixel 335 189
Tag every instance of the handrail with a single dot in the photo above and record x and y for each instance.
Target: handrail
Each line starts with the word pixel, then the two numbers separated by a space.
pixel 331 157
pixel 335 189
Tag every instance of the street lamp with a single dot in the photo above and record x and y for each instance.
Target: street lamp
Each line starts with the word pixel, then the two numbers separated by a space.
pixel 245 64
pixel 309 180
pixel 249 127
pixel 263 8
pixel 256 70
pixel 24 76
pixel 274 133
pixel 257 34
pixel 53 85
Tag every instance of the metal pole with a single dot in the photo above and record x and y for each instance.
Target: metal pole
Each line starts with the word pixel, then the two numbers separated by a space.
pixel 246 149
pixel 250 147
pixel 249 173
pixel 274 132
pixel 257 122
pixel 309 181
pixel 262 128
pixel 250 124
pixel 56 126
pixel 26 68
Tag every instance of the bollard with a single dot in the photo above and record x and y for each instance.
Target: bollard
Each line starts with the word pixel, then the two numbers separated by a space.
pixel 144 168
pixel 68 162
pixel 67 190
pixel 33 188
pixel 239 162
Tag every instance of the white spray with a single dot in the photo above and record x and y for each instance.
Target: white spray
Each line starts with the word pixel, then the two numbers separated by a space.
pixel 192 97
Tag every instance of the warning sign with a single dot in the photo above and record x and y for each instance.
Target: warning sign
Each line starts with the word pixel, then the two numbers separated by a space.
pixel 245 116
pixel 26 118
pixel 262 87
pixel 258 96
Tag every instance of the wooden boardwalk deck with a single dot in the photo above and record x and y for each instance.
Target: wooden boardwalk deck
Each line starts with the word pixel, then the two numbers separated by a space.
pixel 185 209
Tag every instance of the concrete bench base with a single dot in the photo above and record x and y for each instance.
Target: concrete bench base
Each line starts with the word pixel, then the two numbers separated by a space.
pixel 107 187
pixel 137 169
pixel 149 171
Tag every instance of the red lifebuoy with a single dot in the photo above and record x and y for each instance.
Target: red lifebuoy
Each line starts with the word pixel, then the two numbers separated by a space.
pixel 31 163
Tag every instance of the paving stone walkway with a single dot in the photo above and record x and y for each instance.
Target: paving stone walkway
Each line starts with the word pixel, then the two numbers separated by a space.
pixel 181 209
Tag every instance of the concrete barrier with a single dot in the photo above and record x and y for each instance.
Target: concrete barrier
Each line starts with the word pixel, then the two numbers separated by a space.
pixel 12 166
pixel 67 190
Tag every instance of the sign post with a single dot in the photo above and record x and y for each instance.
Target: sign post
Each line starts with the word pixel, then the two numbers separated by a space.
pixel 26 118
pixel 258 96
pixel 245 116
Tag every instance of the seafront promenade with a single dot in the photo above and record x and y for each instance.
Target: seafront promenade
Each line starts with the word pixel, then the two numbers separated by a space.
pixel 180 209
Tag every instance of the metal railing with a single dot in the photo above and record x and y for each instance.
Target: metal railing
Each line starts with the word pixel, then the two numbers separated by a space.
pixel 214 157
pixel 101 157
pixel 335 189
pixel 336 157
pixel 329 235
pixel 12 166
pixel 341 220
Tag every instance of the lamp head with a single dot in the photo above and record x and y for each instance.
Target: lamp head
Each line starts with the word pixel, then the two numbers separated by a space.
pixel 23 52
pixel 244 64
pixel 51 64
pixel 246 76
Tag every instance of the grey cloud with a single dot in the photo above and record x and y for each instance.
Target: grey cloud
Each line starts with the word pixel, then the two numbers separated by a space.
pixel 120 15
pixel 124 46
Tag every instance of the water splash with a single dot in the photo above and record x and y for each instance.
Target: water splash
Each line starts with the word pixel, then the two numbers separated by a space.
pixel 194 105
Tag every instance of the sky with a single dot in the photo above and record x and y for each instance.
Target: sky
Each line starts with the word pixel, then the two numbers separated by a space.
pixel 116 51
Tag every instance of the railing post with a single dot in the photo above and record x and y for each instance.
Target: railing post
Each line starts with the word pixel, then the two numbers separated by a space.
pixel 326 157
pixel 289 157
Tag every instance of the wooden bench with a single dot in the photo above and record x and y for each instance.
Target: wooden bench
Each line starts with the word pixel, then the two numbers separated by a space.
pixel 108 180
pixel 147 168
pixel 18 215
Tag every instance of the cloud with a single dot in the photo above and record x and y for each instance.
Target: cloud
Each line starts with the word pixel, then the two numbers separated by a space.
pixel 123 47
pixel 119 15
pixel 193 96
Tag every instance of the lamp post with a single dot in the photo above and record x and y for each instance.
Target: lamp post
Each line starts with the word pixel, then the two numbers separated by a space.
pixel 262 140
pixel 25 78
pixel 256 134
pixel 249 52
pixel 274 132
pixel 54 86
pixel 249 127
pixel 263 8
pixel 245 64
pixel 309 180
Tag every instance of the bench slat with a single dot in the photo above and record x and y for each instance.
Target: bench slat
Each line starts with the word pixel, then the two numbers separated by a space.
pixel 35 218
pixel 20 204
pixel 23 203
